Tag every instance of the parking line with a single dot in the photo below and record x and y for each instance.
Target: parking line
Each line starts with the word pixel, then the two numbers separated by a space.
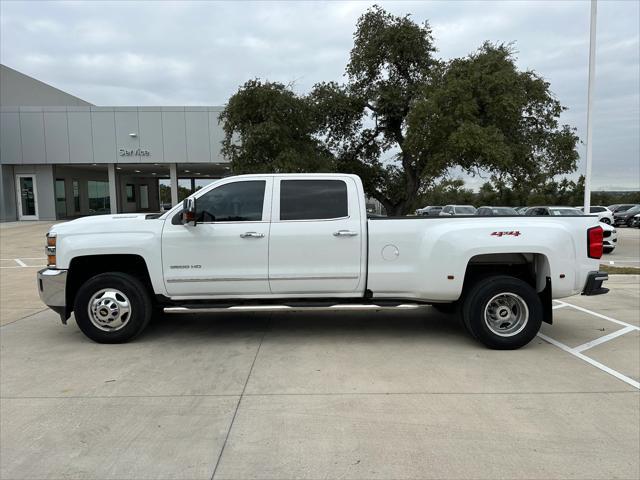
pixel 23 258
pixel 591 361
pixel 604 338
pixel 19 262
pixel 599 315
pixel 26 266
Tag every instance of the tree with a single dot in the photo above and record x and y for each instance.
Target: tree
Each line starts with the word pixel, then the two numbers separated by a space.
pixel 404 118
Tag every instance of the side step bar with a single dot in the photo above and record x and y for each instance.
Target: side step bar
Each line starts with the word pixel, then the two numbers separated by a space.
pixel 268 308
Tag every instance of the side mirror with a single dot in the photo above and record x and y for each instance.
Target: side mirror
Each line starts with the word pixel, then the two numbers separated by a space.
pixel 189 211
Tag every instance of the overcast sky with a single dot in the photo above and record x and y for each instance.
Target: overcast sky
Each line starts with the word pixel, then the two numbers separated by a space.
pixel 145 53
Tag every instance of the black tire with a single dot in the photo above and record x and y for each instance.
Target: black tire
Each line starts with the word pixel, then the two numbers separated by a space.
pixel 606 220
pixel 139 300
pixel 477 299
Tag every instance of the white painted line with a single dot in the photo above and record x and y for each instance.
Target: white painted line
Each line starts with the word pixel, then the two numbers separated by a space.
pixel 26 266
pixel 604 317
pixel 24 258
pixel 590 361
pixel 603 339
pixel 555 307
pixel 19 262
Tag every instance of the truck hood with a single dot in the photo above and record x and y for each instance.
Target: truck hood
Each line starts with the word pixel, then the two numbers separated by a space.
pixel 99 223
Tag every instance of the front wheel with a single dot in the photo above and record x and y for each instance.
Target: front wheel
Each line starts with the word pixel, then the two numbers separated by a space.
pixel 112 307
pixel 502 312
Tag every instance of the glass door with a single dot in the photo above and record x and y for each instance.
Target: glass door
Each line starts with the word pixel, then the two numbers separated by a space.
pixel 27 197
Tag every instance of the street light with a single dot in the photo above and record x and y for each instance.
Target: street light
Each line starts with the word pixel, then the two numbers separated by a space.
pixel 592 74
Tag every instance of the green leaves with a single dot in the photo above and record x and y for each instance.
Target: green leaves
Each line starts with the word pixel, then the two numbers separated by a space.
pixel 405 118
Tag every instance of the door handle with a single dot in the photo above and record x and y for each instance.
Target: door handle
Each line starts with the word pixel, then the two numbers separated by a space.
pixel 251 235
pixel 345 233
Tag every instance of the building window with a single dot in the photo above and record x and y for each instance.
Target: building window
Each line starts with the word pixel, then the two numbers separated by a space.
pixel 76 196
pixel 99 201
pixel 61 199
pixel 131 192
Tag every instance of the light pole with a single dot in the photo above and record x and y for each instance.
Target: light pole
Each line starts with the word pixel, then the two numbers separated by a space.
pixel 590 87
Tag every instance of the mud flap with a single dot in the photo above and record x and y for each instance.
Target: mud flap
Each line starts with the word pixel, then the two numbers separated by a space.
pixel 547 306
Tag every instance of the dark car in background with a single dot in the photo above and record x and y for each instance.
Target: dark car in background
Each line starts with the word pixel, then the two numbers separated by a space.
pixel 620 207
pixel 625 217
pixel 495 211
pixel 553 211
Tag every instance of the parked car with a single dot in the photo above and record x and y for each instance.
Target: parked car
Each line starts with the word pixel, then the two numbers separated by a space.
pixel 604 214
pixel 520 210
pixel 457 210
pixel 495 211
pixel 304 240
pixel 625 217
pixel 553 211
pixel 431 211
pixel 609 238
pixel 621 207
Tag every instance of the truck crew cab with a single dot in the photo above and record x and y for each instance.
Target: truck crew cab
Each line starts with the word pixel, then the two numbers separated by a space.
pixel 304 240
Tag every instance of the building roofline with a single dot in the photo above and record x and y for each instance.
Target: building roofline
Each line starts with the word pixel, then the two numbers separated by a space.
pixel 43 84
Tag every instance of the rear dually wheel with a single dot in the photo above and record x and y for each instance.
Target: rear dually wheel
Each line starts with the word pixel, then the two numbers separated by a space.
pixel 502 312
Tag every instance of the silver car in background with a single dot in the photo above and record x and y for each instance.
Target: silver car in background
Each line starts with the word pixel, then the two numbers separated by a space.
pixel 457 210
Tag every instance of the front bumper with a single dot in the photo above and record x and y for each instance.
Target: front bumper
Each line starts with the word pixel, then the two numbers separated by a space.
pixel 52 285
pixel 594 283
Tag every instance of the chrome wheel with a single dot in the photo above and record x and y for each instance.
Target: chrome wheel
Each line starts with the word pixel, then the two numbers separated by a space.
pixel 506 314
pixel 109 309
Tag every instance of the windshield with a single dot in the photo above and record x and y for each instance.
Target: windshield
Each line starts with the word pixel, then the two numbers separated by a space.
pixel 465 210
pixel 565 212
pixel 504 211
pixel 635 209
pixel 623 208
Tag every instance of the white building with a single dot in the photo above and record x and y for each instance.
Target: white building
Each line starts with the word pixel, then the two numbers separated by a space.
pixel 62 157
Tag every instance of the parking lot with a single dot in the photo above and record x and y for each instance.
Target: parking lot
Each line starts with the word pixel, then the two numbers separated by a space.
pixel 351 395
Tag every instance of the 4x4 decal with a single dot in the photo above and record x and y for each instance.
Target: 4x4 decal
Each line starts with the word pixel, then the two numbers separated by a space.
pixel 515 233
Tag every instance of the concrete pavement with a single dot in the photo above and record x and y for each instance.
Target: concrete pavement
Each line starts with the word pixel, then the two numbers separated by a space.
pixel 294 395
pixel 351 395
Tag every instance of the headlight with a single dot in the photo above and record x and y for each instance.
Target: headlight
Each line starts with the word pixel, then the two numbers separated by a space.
pixel 50 249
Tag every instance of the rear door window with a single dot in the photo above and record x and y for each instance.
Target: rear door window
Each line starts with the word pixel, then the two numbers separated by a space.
pixel 313 199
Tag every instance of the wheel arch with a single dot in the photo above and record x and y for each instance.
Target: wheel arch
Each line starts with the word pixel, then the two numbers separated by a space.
pixel 84 267
pixel 533 268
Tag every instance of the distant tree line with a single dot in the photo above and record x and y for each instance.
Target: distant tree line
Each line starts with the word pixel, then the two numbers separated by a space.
pixel 564 192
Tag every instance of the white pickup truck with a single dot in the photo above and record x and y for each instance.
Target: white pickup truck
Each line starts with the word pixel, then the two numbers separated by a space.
pixel 304 240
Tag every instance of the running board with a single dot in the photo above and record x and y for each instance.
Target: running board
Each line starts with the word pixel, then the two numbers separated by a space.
pixel 269 308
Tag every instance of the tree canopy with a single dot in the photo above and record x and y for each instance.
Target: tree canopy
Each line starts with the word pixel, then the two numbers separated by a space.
pixel 404 118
